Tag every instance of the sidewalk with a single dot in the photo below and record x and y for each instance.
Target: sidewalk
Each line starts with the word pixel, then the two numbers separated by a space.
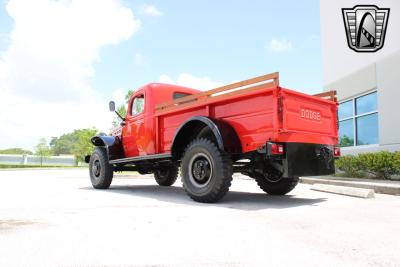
pixel 379 186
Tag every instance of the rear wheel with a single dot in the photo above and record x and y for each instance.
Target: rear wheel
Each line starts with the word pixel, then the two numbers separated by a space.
pixel 101 173
pixel 275 184
pixel 206 171
pixel 166 176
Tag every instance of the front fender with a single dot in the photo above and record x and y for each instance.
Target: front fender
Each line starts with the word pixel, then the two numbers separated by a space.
pixel 113 145
pixel 103 140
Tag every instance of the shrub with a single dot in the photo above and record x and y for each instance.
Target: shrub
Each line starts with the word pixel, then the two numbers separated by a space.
pixel 381 165
pixel 350 165
pixel 397 161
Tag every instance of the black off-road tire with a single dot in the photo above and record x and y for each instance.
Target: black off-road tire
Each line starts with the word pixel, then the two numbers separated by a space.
pixel 101 173
pixel 280 187
pixel 215 177
pixel 166 176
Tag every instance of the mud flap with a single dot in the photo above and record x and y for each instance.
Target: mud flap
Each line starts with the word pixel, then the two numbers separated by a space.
pixel 308 160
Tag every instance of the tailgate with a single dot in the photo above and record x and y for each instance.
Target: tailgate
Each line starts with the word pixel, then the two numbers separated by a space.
pixel 308 114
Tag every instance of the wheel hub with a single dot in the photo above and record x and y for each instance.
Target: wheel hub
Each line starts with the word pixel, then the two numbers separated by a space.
pixel 200 169
pixel 96 168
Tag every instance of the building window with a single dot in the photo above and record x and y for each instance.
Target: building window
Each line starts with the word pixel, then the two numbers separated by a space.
pixel 358 121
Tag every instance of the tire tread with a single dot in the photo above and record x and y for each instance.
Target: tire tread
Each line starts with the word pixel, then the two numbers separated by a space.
pixel 282 187
pixel 173 172
pixel 222 185
pixel 106 178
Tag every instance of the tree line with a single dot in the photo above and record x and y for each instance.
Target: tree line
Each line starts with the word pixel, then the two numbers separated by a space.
pixel 75 143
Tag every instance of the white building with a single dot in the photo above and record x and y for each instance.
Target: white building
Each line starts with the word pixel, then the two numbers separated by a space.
pixel 368 84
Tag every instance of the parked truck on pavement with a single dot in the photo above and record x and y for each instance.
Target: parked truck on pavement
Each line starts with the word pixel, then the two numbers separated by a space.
pixel 254 127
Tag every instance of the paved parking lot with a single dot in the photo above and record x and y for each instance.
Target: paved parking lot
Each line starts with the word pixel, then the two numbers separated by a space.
pixel 55 218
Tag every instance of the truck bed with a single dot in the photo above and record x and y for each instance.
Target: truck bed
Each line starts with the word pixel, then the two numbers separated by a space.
pixel 258 109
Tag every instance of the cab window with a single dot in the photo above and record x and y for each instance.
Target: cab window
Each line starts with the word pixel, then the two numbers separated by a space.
pixel 137 105
pixel 177 95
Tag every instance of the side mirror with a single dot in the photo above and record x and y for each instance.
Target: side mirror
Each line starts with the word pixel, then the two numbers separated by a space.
pixel 111 105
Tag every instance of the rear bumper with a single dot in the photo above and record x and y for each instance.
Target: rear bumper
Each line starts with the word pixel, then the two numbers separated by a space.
pixel 303 159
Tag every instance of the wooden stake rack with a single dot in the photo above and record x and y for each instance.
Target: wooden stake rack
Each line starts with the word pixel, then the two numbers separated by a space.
pixel 265 81
pixel 254 84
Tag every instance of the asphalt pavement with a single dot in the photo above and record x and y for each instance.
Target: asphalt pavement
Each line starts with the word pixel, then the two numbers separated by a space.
pixel 55 218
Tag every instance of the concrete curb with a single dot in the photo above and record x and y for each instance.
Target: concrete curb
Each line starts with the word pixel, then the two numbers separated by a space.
pixel 379 187
pixel 344 190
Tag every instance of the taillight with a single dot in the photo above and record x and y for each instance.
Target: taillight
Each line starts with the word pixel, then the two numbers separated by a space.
pixel 275 149
pixel 336 151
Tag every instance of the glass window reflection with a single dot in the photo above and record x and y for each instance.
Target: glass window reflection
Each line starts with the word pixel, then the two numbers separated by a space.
pixel 346 109
pixel 367 129
pixel 346 133
pixel 366 103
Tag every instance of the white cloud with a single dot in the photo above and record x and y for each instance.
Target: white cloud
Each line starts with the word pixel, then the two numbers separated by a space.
pixel 279 45
pixel 164 78
pixel 188 80
pixel 151 10
pixel 47 69
pixel 25 121
pixel 119 97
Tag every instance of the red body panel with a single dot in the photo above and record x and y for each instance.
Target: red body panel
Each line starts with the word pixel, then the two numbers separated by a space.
pixel 271 114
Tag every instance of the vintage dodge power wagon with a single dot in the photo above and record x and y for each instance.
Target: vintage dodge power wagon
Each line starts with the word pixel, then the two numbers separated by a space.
pixel 255 127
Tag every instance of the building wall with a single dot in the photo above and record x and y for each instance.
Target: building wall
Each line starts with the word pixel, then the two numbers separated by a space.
pixel 354 84
pixel 384 77
pixel 337 58
pixel 353 74
pixel 388 84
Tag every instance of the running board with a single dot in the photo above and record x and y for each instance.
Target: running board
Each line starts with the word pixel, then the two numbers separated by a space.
pixel 141 158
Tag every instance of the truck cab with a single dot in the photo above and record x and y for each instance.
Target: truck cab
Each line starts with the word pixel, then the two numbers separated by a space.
pixel 138 128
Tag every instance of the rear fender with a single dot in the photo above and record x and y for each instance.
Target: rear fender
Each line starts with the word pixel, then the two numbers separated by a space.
pixel 225 136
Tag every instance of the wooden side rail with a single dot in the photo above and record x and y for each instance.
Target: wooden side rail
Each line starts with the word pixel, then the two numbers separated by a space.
pixel 330 95
pixel 265 81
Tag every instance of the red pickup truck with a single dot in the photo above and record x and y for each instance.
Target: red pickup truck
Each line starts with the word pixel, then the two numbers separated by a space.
pixel 254 127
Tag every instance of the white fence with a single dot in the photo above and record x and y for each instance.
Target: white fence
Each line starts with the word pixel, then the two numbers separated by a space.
pixel 68 160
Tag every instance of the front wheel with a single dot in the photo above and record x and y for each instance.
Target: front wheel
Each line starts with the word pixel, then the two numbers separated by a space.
pixel 101 173
pixel 275 184
pixel 206 171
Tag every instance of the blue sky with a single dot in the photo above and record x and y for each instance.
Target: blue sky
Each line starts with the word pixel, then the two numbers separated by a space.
pixel 63 60
pixel 222 40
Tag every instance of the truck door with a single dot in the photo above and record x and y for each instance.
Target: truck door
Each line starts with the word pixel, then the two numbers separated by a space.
pixel 133 131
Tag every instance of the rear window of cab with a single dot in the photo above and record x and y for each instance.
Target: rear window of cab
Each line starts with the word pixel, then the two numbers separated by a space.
pixel 177 95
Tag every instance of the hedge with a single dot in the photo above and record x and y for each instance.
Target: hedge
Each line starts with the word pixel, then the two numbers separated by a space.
pixel 380 165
